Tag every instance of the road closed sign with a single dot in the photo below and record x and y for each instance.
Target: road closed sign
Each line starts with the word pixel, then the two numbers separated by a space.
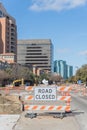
pixel 45 93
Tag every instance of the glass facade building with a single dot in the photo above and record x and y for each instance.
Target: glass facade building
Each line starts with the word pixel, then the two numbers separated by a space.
pixel 69 71
pixel 63 69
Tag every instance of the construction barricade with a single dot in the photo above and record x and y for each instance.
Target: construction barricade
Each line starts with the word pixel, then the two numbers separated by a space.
pixel 47 99
pixel 80 90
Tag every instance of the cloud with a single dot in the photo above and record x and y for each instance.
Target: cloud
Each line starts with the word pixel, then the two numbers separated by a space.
pixel 83 53
pixel 56 5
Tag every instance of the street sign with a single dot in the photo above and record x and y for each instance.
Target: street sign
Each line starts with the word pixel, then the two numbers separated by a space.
pixel 45 93
pixel 79 82
pixel 44 81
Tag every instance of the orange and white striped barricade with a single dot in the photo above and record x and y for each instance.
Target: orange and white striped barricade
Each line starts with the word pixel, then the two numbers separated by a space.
pixel 84 91
pixel 47 108
pixel 44 99
pixel 80 89
pixel 59 88
pixel 76 88
pixel 64 90
pixel 29 88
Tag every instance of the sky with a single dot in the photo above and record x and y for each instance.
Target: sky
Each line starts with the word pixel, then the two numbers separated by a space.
pixel 62 21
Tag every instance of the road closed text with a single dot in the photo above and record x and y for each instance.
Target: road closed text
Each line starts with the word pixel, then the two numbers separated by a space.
pixel 45 94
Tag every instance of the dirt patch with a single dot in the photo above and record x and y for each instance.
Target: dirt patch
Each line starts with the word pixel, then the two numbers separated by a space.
pixel 10 105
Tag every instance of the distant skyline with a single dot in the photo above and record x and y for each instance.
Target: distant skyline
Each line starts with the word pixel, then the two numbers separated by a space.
pixel 64 22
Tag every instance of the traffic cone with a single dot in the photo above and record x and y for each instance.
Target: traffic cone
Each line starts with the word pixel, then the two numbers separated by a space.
pixel 68 103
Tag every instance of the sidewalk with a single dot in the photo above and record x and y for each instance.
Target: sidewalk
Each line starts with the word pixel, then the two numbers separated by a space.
pixel 46 123
pixel 7 122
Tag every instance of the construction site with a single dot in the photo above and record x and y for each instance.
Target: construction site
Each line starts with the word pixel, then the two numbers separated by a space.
pixel 23 105
pixel 10 104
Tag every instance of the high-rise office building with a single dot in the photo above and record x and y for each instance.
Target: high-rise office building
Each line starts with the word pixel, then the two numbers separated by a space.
pixel 63 69
pixel 37 52
pixel 69 71
pixel 60 68
pixel 8 33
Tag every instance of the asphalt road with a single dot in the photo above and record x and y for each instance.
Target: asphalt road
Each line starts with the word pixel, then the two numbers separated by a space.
pixel 79 110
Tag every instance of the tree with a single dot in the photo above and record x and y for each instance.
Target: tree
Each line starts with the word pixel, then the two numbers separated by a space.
pixel 17 71
pixel 54 77
pixel 82 73
pixel 4 78
pixel 72 79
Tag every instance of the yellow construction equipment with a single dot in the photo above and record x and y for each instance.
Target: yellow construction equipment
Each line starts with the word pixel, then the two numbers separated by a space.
pixel 18 80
